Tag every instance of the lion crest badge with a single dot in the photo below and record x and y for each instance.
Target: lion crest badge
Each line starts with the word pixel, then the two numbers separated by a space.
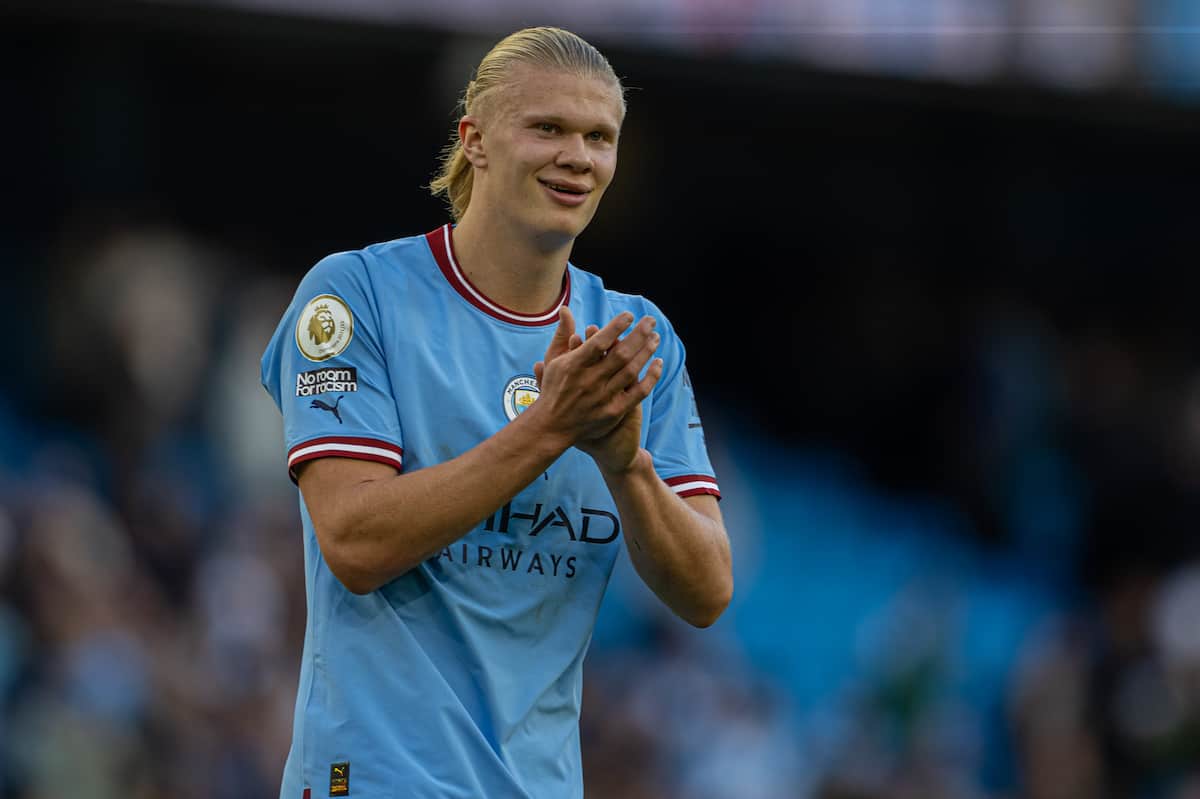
pixel 324 328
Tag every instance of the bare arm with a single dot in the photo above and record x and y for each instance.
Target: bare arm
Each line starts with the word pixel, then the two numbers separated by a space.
pixel 374 524
pixel 678 545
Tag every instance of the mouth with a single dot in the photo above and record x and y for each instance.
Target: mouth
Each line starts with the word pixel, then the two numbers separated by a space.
pixel 566 193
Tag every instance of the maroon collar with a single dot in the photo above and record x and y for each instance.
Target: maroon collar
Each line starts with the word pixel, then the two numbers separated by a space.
pixel 442 245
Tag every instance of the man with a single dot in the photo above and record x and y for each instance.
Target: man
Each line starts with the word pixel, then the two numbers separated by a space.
pixel 463 511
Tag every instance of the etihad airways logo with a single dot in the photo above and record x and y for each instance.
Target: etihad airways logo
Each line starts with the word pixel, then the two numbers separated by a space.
pixel 591 526
pixel 586 526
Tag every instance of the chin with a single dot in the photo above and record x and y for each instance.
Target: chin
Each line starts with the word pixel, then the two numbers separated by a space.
pixel 555 238
pixel 561 229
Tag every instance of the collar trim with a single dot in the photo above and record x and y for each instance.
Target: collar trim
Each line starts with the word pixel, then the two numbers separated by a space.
pixel 442 245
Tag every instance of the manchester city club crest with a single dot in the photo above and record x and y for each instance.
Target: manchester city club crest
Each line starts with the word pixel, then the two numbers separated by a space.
pixel 519 394
pixel 324 328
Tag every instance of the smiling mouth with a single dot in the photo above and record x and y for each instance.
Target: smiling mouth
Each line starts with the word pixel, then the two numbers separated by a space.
pixel 564 189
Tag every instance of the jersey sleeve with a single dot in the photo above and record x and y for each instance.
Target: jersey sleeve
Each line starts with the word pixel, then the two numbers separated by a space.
pixel 675 437
pixel 326 369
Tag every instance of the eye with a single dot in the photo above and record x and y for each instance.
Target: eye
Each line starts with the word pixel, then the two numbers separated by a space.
pixel 596 135
pixel 546 127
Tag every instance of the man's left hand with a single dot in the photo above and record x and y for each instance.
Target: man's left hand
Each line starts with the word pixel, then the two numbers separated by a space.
pixel 615 450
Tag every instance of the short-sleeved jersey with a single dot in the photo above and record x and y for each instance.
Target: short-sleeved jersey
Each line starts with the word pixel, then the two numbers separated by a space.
pixel 463 676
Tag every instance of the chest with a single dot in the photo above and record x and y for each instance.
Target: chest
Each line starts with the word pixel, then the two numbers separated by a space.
pixel 457 380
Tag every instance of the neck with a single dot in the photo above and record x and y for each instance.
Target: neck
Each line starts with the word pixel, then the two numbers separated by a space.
pixel 518 271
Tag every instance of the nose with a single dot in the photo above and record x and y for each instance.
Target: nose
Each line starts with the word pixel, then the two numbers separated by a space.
pixel 574 155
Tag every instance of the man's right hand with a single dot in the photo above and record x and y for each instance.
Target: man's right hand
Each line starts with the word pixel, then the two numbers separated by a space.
pixel 588 387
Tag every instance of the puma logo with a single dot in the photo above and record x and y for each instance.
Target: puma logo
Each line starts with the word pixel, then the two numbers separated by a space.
pixel 339 777
pixel 325 406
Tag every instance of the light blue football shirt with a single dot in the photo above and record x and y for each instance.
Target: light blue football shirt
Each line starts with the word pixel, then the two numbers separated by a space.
pixel 462 677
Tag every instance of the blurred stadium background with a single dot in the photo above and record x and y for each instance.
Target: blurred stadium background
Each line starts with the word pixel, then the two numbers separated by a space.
pixel 935 264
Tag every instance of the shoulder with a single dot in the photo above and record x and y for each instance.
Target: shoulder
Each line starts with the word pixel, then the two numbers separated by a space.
pixel 365 271
pixel 592 292
pixel 373 258
pixel 397 252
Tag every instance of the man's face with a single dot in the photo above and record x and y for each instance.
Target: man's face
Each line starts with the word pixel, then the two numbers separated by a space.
pixel 550 143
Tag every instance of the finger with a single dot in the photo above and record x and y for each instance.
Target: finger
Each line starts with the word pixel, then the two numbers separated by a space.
pixel 566 323
pixel 538 369
pixel 575 342
pixel 628 374
pixel 604 338
pixel 635 394
pixel 628 348
pixel 560 343
pixel 592 330
pixel 636 338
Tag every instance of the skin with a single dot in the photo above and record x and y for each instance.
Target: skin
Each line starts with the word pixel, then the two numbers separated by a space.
pixel 542 127
pixel 514 242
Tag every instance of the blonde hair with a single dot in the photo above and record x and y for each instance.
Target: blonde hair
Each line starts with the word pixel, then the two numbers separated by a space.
pixel 552 48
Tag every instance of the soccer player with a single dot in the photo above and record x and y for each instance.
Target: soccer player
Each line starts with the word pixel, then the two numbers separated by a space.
pixel 469 461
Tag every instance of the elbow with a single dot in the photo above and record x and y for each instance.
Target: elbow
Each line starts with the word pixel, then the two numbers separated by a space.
pixel 357 584
pixel 706 615
pixel 353 578
pixel 348 560
pixel 361 580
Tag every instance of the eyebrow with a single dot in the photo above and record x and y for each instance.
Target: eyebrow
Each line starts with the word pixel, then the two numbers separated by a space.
pixel 533 116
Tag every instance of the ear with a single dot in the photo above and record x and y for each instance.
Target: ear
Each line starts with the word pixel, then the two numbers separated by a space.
pixel 471 136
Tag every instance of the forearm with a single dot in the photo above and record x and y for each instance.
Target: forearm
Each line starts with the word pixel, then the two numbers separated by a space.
pixel 374 530
pixel 681 554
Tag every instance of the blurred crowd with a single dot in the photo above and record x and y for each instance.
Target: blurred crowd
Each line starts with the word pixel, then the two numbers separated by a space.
pixel 151 584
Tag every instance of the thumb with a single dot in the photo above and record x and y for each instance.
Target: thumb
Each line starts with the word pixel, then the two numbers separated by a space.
pixel 566 327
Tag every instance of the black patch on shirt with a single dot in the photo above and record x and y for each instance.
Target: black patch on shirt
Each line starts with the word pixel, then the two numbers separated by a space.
pixel 339 779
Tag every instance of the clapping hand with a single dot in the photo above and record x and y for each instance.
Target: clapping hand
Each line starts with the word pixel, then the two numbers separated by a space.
pixel 590 385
